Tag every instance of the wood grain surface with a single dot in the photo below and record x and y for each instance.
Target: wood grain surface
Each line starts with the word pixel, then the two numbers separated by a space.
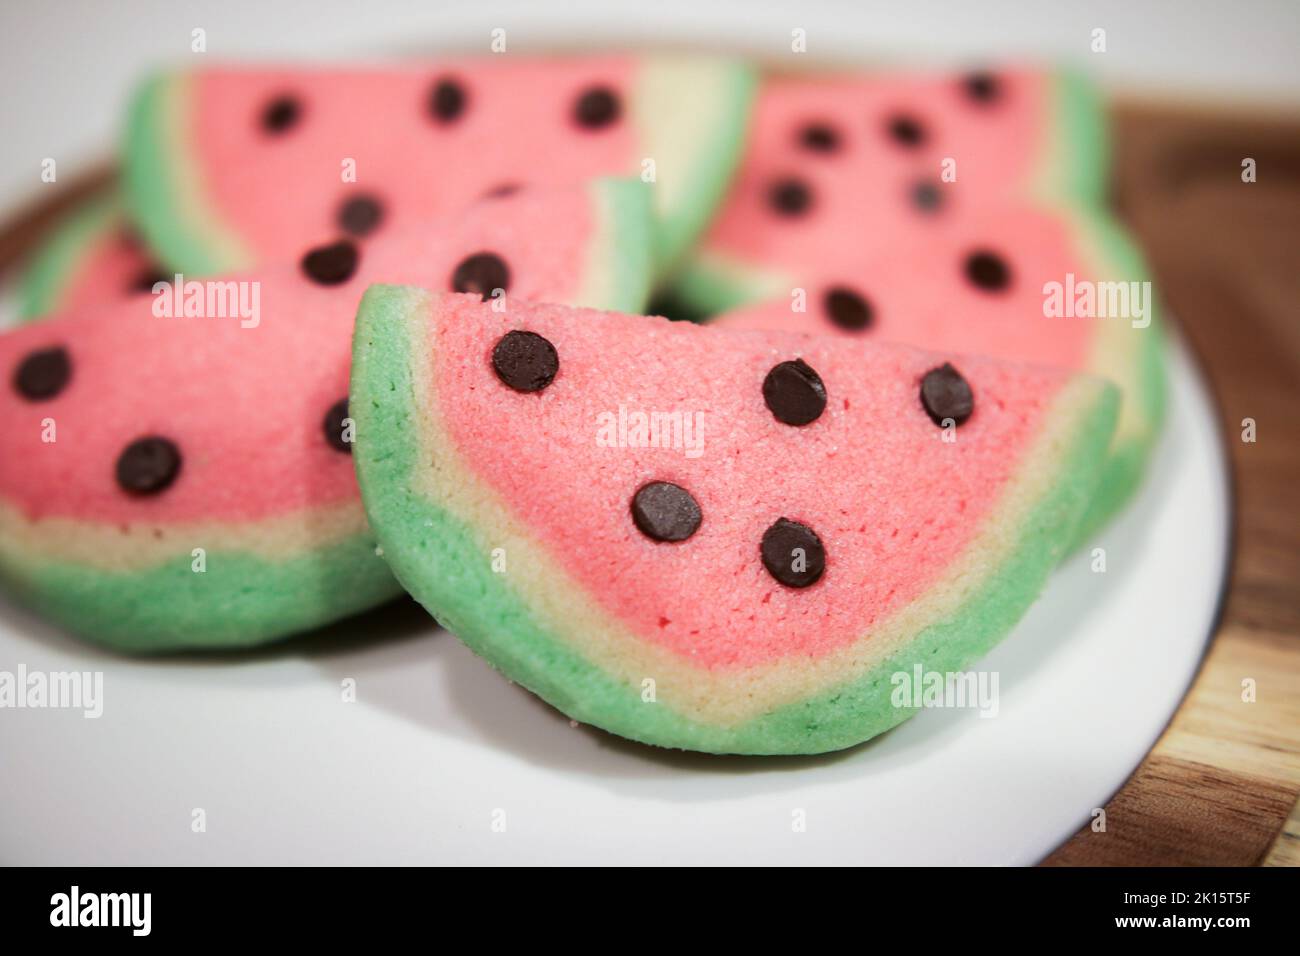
pixel 1221 785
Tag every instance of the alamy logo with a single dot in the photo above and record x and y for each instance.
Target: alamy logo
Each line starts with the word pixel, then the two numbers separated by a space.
pixel 977 690
pixel 62 690
pixel 212 299
pixel 1085 299
pixel 681 430
pixel 102 909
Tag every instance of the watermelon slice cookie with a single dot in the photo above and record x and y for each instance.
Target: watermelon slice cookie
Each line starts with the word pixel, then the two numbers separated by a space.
pixel 1055 287
pixel 91 257
pixel 864 162
pixel 718 541
pixel 226 168
pixel 179 470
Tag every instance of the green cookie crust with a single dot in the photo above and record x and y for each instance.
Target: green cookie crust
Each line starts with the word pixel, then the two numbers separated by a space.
pixel 240 600
pixel 1129 455
pixel 440 561
pixel 41 287
pixel 163 190
pixel 722 108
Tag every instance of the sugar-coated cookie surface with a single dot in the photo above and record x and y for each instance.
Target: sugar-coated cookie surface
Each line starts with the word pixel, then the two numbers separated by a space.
pixel 179 470
pixel 228 167
pixel 714 540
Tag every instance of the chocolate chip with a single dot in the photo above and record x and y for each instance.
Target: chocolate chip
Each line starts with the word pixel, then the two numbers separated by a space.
pixel 332 264
pixel 927 197
pixel 794 393
pixel 500 192
pixel 789 197
pixel 847 309
pixel 525 361
pixel 334 424
pixel 906 131
pixel 987 270
pixel 281 114
pixel 43 373
pixel 483 272
pixel 982 87
pixel 946 395
pixel 663 511
pixel 447 100
pixel 147 279
pixel 820 138
pixel 596 107
pixel 360 215
pixel 148 465
pixel 793 554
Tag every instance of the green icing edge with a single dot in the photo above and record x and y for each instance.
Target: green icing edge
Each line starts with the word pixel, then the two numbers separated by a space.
pixel 44 280
pixel 439 561
pixel 240 600
pixel 161 183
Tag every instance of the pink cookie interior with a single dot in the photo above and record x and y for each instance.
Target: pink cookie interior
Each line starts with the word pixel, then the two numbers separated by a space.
pixel 893 505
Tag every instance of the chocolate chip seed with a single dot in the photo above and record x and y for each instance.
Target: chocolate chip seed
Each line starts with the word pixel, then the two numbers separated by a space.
pixel 945 394
pixel 789 197
pixel 927 197
pixel 281 114
pixel 500 192
pixel 792 553
pixel 596 107
pixel 148 465
pixel 146 280
pixel 794 393
pixel 43 373
pixel 847 309
pixel 333 264
pixel 447 100
pixel 663 511
pixel 906 131
pixel 525 361
pixel 987 271
pixel 334 423
pixel 819 138
pixel 982 87
pixel 360 215
pixel 483 272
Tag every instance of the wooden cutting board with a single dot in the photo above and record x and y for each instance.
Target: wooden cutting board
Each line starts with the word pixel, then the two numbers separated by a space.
pixel 1221 785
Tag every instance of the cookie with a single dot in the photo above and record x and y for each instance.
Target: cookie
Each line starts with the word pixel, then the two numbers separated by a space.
pixel 179 470
pixel 712 540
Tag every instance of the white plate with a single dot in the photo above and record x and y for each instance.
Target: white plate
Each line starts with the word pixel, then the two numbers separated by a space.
pixel 438 748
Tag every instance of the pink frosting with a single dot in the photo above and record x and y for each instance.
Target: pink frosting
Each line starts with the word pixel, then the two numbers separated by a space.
pixel 892 503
